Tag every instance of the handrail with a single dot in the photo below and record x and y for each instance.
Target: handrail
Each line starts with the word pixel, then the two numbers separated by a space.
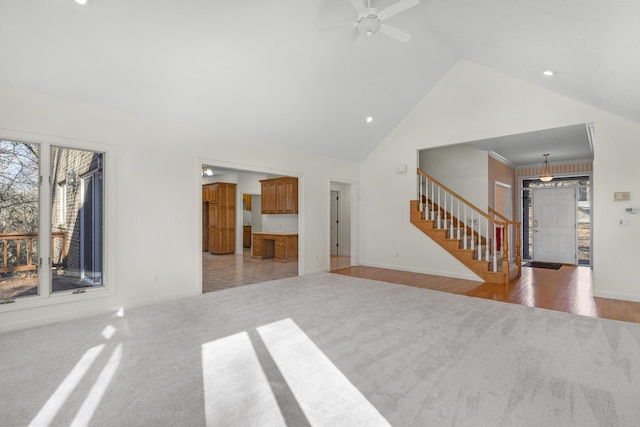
pixel 6 237
pixel 517 225
pixel 502 217
pixel 459 197
pixel 490 233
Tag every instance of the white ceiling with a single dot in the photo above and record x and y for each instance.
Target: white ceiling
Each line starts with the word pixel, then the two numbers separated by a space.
pixel 261 71
pixel 563 144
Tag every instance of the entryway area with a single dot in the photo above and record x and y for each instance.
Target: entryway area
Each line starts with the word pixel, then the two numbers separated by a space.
pixel 556 220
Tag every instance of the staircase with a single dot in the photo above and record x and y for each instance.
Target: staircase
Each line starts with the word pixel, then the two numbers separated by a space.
pixel 481 241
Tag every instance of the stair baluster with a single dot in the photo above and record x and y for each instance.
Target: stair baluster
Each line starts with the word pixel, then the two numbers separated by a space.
pixel 439 207
pixel 479 234
pixel 487 242
pixel 465 228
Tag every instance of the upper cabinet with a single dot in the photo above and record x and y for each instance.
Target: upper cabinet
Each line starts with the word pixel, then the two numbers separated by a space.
pixel 247 201
pixel 280 195
pixel 219 200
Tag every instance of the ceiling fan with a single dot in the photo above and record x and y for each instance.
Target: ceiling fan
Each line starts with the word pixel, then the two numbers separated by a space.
pixel 369 20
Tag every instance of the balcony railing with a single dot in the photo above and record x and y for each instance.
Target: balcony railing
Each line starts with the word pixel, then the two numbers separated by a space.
pixel 14 257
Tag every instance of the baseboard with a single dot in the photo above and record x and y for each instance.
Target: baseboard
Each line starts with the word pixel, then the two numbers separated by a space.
pixel 31 322
pixel 470 276
pixel 616 295
pixel 317 270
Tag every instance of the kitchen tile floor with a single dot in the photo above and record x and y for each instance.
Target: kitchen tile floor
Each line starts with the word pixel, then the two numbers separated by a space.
pixel 229 271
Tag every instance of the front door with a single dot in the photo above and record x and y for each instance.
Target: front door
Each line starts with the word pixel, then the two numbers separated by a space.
pixel 554 225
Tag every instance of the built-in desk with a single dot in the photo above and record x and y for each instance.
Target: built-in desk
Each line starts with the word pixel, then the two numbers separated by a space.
pixel 281 247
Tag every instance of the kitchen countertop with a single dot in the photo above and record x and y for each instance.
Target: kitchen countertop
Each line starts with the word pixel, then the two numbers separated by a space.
pixel 275 233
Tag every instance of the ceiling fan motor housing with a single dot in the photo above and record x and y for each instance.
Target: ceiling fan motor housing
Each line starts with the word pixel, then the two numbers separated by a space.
pixel 369 25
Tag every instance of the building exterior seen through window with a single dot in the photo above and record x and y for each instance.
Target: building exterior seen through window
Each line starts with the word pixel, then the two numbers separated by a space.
pixel 74 250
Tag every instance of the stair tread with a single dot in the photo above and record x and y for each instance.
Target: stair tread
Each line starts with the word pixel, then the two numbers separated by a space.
pixel 455 246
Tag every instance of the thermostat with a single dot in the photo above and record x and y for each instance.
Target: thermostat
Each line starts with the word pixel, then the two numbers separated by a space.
pixel 632 210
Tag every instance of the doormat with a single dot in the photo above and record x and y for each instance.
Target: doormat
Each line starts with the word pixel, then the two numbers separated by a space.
pixel 549 265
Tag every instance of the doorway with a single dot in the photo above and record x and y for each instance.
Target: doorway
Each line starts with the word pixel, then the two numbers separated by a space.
pixel 239 267
pixel 340 225
pixel 556 220
pixel 503 199
pixel 334 223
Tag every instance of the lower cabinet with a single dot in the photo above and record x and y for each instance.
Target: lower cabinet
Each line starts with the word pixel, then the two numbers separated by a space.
pixel 280 247
pixel 246 236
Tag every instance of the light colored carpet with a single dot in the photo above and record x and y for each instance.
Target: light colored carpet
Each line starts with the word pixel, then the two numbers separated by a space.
pixel 324 349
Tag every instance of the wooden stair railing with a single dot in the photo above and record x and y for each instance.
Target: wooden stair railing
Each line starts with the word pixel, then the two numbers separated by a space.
pixel 464 230
pixel 512 230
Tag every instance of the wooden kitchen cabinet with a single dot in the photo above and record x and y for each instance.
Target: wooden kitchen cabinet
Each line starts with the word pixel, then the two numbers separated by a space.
pixel 247 201
pixel 220 218
pixel 256 250
pixel 246 236
pixel 279 195
pixel 281 247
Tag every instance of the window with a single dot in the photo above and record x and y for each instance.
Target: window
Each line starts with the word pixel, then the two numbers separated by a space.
pixel 52 215
pixel 77 247
pixel 19 218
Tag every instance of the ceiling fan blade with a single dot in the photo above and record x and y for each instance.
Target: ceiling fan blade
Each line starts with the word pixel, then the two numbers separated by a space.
pixel 360 7
pixel 395 33
pixel 342 26
pixel 396 8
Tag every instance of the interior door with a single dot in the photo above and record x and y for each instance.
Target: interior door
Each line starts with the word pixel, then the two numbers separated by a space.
pixel 554 225
pixel 334 222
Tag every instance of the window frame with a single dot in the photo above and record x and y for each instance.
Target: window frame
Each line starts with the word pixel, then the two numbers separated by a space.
pixel 45 296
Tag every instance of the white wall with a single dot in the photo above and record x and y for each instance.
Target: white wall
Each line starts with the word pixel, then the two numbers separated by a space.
pixel 463 168
pixel 256 213
pixel 157 217
pixel 280 223
pixel 473 102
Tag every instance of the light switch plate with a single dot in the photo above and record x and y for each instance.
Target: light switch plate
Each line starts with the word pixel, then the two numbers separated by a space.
pixel 621 196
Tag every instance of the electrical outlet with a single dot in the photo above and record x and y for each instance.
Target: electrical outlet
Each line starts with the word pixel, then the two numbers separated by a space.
pixel 155 278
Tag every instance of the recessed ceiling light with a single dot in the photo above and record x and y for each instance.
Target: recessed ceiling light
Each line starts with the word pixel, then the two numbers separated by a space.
pixel 548 72
pixel 369 119
pixel 83 2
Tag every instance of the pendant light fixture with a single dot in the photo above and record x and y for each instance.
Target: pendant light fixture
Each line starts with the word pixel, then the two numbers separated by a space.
pixel 546 175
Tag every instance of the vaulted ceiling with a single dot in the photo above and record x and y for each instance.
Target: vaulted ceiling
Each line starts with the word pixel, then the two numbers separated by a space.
pixel 262 71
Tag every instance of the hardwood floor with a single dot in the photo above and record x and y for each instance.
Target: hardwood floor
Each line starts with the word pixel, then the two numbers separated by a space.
pixel 568 289
pixel 340 262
